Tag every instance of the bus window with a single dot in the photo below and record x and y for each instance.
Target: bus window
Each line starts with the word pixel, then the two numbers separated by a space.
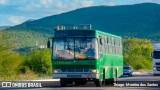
pixel 63 48
pixel 75 48
pixel 85 49
pixel 107 40
pixel 115 40
pixel 120 42
pixel 112 41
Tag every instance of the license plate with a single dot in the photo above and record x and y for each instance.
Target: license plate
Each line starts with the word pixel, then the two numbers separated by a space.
pixel 87 75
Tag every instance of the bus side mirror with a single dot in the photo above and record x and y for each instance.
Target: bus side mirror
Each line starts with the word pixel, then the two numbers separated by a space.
pixel 48 44
pixel 151 54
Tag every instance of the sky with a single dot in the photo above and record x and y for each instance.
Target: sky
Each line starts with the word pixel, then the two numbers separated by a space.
pixel 14 12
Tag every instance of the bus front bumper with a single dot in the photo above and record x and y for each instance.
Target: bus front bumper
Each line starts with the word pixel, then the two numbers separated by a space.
pixel 156 72
pixel 74 75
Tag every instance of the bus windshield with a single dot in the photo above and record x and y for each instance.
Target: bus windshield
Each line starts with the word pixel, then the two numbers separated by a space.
pixel 75 48
pixel 156 55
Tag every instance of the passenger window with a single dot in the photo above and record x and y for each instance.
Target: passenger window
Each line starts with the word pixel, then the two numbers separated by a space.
pixel 107 40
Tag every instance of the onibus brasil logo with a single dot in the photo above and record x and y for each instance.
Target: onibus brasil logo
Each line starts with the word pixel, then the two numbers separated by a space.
pixel 21 84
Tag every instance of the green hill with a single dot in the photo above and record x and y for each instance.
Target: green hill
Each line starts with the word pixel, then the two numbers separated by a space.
pixel 139 20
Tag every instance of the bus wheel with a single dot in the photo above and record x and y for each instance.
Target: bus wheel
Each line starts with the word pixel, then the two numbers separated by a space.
pixel 108 81
pixel 97 83
pixel 63 82
pixel 114 80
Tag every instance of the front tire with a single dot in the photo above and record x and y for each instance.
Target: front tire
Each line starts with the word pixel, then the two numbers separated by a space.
pixel 97 83
pixel 63 82
pixel 109 81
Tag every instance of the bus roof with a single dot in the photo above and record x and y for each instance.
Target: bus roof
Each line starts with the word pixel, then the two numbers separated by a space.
pixel 82 32
pixel 108 34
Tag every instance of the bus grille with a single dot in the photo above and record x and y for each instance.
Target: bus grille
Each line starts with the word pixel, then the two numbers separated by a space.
pixel 75 70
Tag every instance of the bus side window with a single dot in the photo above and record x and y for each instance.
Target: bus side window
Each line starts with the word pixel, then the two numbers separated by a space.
pixel 110 40
pixel 107 40
pixel 115 40
pixel 116 45
pixel 121 48
pixel 121 43
pixel 100 47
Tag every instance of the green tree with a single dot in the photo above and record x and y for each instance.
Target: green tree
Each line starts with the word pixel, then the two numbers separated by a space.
pixel 9 61
pixel 137 53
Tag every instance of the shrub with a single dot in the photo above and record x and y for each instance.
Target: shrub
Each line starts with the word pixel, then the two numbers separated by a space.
pixel 9 61
pixel 39 61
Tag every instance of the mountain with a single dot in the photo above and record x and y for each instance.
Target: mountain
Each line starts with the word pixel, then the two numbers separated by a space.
pixel 139 20
pixel 4 27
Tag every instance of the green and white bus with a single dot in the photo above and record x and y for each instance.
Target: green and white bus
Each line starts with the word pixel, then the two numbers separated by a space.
pixel 80 54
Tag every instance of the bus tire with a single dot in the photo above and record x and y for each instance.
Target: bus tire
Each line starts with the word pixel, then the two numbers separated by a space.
pixel 63 82
pixel 112 80
pixel 108 81
pixel 97 83
pixel 103 80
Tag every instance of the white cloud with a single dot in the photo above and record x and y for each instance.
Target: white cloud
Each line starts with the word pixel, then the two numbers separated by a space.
pixel 87 3
pixel 56 6
pixel 109 2
pixel 143 1
pixel 3 2
pixel 72 5
pixel 42 4
pixel 16 19
pixel 34 9
pixel 46 3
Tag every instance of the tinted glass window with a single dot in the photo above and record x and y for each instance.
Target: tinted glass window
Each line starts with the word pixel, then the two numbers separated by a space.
pixel 156 55
pixel 75 48
pixel 126 68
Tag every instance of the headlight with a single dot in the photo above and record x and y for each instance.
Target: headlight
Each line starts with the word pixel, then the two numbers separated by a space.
pixel 154 68
pixel 94 71
pixel 56 71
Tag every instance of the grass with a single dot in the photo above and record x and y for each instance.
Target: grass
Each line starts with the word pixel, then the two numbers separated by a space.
pixel 27 76
pixel 143 70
